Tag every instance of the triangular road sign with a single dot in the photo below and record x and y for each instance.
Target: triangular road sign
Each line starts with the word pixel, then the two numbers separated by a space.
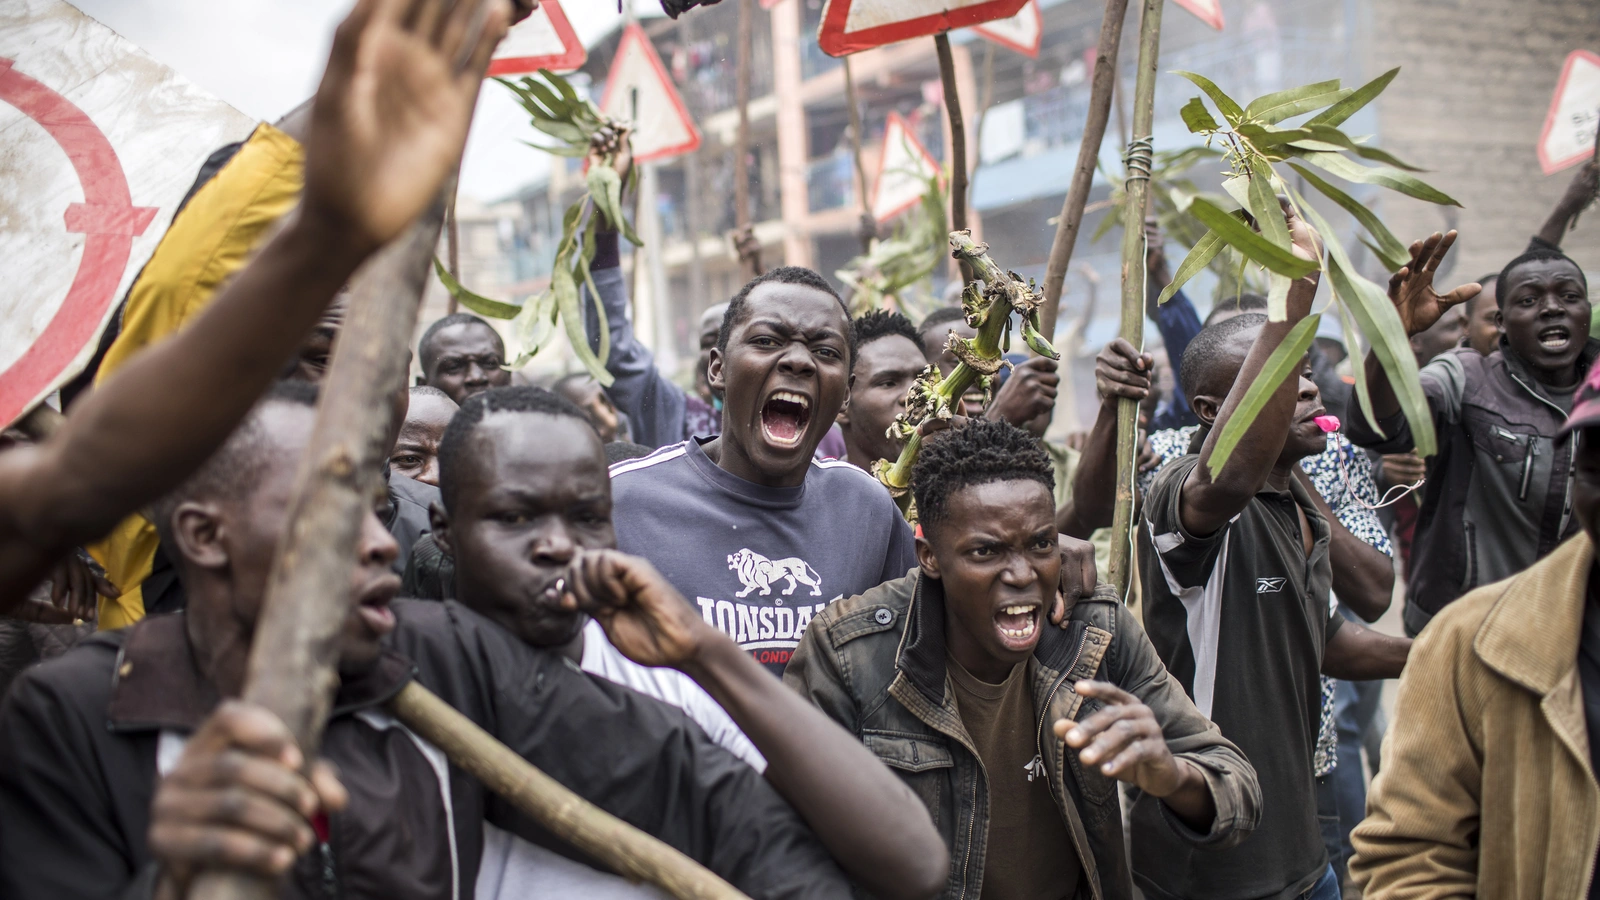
pixel 1022 32
pixel 101 144
pixel 638 90
pixel 1569 128
pixel 904 168
pixel 544 40
pixel 849 26
pixel 1208 11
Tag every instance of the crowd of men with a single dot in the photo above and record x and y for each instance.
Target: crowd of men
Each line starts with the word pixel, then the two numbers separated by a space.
pixel 696 608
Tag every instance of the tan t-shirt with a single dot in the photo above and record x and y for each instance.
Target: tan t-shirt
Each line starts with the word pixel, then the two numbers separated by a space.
pixel 1030 854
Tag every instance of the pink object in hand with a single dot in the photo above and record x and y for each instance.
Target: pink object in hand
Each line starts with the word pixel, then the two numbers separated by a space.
pixel 1327 423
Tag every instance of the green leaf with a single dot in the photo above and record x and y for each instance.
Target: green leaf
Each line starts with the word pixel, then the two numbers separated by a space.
pixel 1199 257
pixel 1384 176
pixel 1257 248
pixel 1352 339
pixel 478 303
pixel 1277 298
pixel 1265 136
pixel 1327 138
pixel 1238 187
pixel 585 258
pixel 1361 96
pixel 1230 110
pixel 1279 105
pixel 559 108
pixel 1381 327
pixel 1283 363
pixel 560 149
pixel 1388 248
pixel 1197 117
pixel 1264 206
pixel 564 86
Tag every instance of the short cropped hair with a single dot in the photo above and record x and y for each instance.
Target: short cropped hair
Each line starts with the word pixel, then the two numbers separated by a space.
pixel 1245 302
pixel 425 346
pixel 943 316
pixel 513 398
pixel 882 323
pixel 982 451
pixel 428 390
pixel 1534 254
pixel 236 467
pixel 1205 351
pixel 739 307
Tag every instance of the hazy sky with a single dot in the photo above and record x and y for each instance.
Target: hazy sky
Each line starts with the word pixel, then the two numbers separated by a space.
pixel 265 57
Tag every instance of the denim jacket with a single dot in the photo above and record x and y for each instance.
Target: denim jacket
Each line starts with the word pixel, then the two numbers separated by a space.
pixel 875 663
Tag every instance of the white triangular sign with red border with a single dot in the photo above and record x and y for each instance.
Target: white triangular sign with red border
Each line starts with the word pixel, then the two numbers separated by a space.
pixel 849 26
pixel 904 168
pixel 544 40
pixel 638 90
pixel 1022 32
pixel 1208 11
pixel 1569 127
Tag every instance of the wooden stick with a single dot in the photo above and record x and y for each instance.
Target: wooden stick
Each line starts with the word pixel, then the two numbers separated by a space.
pixel 958 142
pixel 625 849
pixel 869 225
pixel 295 651
pixel 1133 275
pixel 744 240
pixel 452 245
pixel 1094 132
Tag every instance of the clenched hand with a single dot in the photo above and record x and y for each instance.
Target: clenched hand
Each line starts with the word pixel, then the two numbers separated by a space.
pixel 644 616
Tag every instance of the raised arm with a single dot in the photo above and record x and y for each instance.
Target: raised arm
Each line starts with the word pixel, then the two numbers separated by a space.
pixel 1419 305
pixel 1579 194
pixel 388 124
pixel 1209 502
pixel 1119 371
pixel 872 824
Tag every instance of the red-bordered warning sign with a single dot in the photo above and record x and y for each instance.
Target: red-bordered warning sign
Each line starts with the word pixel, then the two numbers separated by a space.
pixel 904 168
pixel 850 26
pixel 544 40
pixel 1022 32
pixel 639 90
pixel 1208 11
pixel 1569 128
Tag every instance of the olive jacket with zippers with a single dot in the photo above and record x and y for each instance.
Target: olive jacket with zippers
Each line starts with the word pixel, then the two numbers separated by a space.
pixel 1498 496
pixel 875 663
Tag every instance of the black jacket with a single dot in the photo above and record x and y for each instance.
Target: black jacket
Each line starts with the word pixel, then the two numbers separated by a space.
pixel 80 736
pixel 875 663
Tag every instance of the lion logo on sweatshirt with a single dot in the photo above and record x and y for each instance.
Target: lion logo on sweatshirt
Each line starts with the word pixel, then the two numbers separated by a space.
pixel 757 572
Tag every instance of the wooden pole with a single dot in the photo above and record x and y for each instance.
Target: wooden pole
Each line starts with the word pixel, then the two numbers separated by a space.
pixel 629 852
pixel 294 655
pixel 452 248
pixel 958 143
pixel 1133 278
pixel 744 238
pixel 869 225
pixel 1094 132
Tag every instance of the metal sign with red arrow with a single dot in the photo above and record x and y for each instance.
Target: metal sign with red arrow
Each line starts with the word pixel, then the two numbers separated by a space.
pixel 544 40
pixel 849 26
pixel 638 90
pixel 1569 128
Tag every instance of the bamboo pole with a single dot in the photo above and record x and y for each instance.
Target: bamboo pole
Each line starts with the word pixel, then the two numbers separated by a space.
pixel 1133 280
pixel 295 651
pixel 958 143
pixel 869 225
pixel 635 855
pixel 744 239
pixel 1094 132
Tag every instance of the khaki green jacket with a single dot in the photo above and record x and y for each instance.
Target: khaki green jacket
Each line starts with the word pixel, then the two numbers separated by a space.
pixel 1486 788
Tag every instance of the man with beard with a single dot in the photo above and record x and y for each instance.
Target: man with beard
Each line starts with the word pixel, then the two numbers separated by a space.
pixel 124 766
pixel 746 525
pixel 887 360
pixel 1499 492
pixel 526 499
pixel 462 355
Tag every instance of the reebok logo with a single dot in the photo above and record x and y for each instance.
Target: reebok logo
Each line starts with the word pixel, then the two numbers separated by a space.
pixel 1269 585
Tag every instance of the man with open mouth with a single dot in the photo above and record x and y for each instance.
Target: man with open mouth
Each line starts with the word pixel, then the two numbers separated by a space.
pixel 746 526
pixel 1498 495
pixel 1012 730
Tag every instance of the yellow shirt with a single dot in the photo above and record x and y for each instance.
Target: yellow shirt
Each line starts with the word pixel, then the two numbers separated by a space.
pixel 212 238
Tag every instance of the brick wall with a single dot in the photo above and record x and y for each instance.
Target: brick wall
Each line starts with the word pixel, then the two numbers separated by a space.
pixel 1469 104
